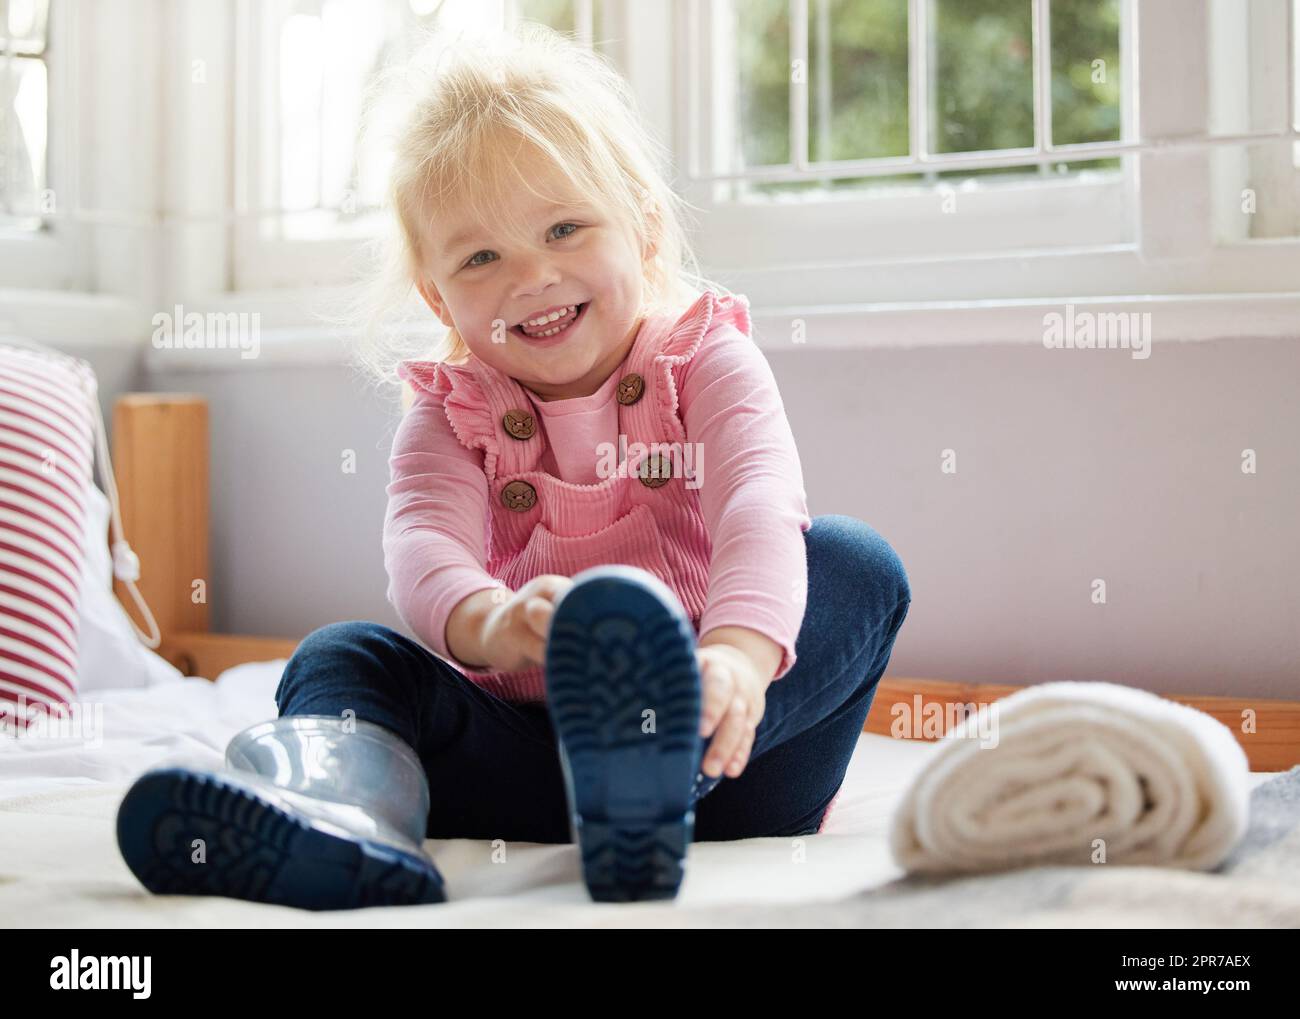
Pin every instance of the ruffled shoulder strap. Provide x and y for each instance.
(464, 402)
(420, 374)
(709, 312)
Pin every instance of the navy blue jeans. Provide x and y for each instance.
(493, 766)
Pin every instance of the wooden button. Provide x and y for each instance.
(630, 388)
(519, 424)
(519, 496)
(655, 471)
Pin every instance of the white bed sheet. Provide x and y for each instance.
(60, 866)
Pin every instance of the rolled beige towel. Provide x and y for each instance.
(1040, 776)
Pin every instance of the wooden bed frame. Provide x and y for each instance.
(160, 459)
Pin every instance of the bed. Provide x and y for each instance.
(60, 867)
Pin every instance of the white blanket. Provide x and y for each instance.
(1076, 773)
(60, 865)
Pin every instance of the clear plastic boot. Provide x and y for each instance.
(312, 811)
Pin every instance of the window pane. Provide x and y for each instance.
(558, 14)
(328, 52)
(1085, 71)
(604, 30)
(857, 81)
(983, 75)
(562, 15)
(981, 84)
(302, 65)
(317, 171)
(22, 155)
(761, 29)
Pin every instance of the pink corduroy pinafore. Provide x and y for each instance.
(645, 514)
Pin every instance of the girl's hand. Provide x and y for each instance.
(514, 632)
(735, 697)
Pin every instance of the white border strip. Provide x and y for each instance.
(1174, 318)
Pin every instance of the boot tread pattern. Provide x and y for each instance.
(255, 850)
(616, 651)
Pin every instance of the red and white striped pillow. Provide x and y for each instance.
(47, 436)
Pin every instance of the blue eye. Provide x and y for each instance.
(472, 264)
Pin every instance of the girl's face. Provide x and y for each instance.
(487, 285)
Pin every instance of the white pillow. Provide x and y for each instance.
(109, 652)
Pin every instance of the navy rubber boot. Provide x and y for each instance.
(623, 688)
(311, 811)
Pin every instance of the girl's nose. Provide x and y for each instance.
(535, 272)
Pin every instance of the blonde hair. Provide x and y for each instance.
(476, 112)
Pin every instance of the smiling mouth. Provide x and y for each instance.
(559, 328)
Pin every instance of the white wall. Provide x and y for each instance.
(1071, 465)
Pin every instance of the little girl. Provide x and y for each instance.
(629, 632)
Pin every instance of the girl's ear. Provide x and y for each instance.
(434, 300)
(654, 228)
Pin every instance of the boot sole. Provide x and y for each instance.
(256, 850)
(616, 649)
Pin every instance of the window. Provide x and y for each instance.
(839, 153)
(888, 129)
(41, 232)
(299, 147)
(825, 86)
(894, 151)
(24, 113)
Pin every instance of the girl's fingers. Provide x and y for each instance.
(550, 588)
(537, 617)
(727, 739)
(741, 757)
(717, 694)
(535, 649)
(537, 613)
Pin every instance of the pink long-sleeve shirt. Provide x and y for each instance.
(491, 485)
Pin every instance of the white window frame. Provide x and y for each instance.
(261, 264)
(159, 194)
(894, 224)
(1257, 97)
(1105, 237)
(92, 279)
(54, 257)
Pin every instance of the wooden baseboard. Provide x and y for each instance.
(210, 654)
(1274, 745)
